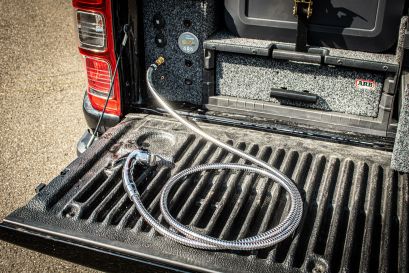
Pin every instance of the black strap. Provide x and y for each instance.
(303, 11)
(302, 34)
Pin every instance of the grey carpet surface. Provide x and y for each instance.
(254, 77)
(171, 80)
(225, 38)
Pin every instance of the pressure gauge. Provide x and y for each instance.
(188, 43)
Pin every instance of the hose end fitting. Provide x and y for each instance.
(159, 61)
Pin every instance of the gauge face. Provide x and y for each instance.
(188, 43)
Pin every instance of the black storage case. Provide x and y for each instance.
(364, 25)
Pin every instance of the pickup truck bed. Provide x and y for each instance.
(355, 215)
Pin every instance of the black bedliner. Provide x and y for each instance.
(355, 219)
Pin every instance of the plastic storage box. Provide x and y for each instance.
(364, 25)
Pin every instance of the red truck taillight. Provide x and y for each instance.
(88, 2)
(96, 44)
(99, 77)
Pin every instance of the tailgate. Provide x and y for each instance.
(355, 215)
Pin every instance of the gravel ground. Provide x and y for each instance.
(41, 88)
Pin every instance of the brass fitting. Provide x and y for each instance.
(305, 6)
(159, 61)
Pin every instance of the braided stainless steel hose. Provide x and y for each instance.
(184, 234)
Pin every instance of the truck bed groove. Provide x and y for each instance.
(355, 207)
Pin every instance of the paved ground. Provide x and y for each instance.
(41, 83)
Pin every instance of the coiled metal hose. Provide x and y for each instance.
(184, 234)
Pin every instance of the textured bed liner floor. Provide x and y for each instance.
(356, 207)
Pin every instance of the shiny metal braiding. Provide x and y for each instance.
(184, 234)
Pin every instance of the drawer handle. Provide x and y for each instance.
(293, 95)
